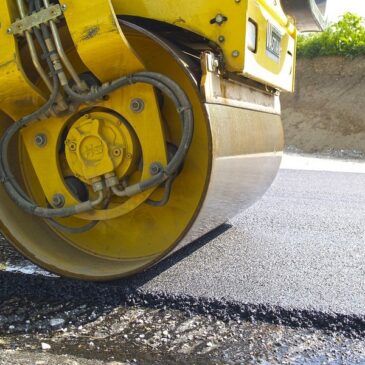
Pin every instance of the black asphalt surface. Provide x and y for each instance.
(302, 247)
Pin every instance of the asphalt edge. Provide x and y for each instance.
(116, 294)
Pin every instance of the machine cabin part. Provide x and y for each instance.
(129, 129)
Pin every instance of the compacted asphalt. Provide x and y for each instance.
(294, 261)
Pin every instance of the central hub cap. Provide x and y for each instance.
(100, 143)
(92, 149)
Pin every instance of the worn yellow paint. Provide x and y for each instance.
(196, 16)
(104, 50)
(146, 125)
(18, 97)
(133, 231)
(99, 39)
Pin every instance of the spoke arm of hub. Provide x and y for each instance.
(44, 161)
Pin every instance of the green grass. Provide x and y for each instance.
(344, 38)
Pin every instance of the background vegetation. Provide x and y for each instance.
(344, 38)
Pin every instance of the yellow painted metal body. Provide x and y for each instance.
(131, 234)
(18, 97)
(196, 16)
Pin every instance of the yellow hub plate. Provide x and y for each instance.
(100, 143)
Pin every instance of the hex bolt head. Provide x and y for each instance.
(40, 140)
(58, 200)
(155, 168)
(137, 105)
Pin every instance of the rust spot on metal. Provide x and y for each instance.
(90, 33)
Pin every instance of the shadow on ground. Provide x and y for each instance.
(34, 303)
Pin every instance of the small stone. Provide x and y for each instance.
(165, 333)
(57, 322)
(209, 344)
(91, 344)
(45, 346)
(142, 336)
(11, 327)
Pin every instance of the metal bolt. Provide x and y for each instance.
(40, 140)
(235, 54)
(219, 19)
(237, 1)
(117, 152)
(9, 31)
(129, 156)
(72, 146)
(63, 7)
(155, 168)
(58, 200)
(221, 39)
(137, 105)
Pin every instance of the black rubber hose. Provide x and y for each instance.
(179, 98)
(8, 179)
(166, 195)
(166, 85)
(77, 230)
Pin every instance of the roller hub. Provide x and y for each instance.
(98, 144)
(233, 158)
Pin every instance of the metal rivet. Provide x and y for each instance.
(221, 39)
(117, 152)
(72, 146)
(58, 200)
(9, 31)
(63, 7)
(137, 105)
(40, 140)
(235, 53)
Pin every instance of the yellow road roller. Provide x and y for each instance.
(130, 128)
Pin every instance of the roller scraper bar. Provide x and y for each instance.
(309, 14)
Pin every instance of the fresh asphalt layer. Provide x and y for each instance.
(296, 257)
(301, 247)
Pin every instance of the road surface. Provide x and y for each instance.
(295, 259)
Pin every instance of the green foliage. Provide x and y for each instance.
(344, 38)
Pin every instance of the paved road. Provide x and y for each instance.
(296, 257)
(302, 247)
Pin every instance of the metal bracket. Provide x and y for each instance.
(35, 20)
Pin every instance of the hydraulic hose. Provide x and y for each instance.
(161, 82)
(182, 104)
